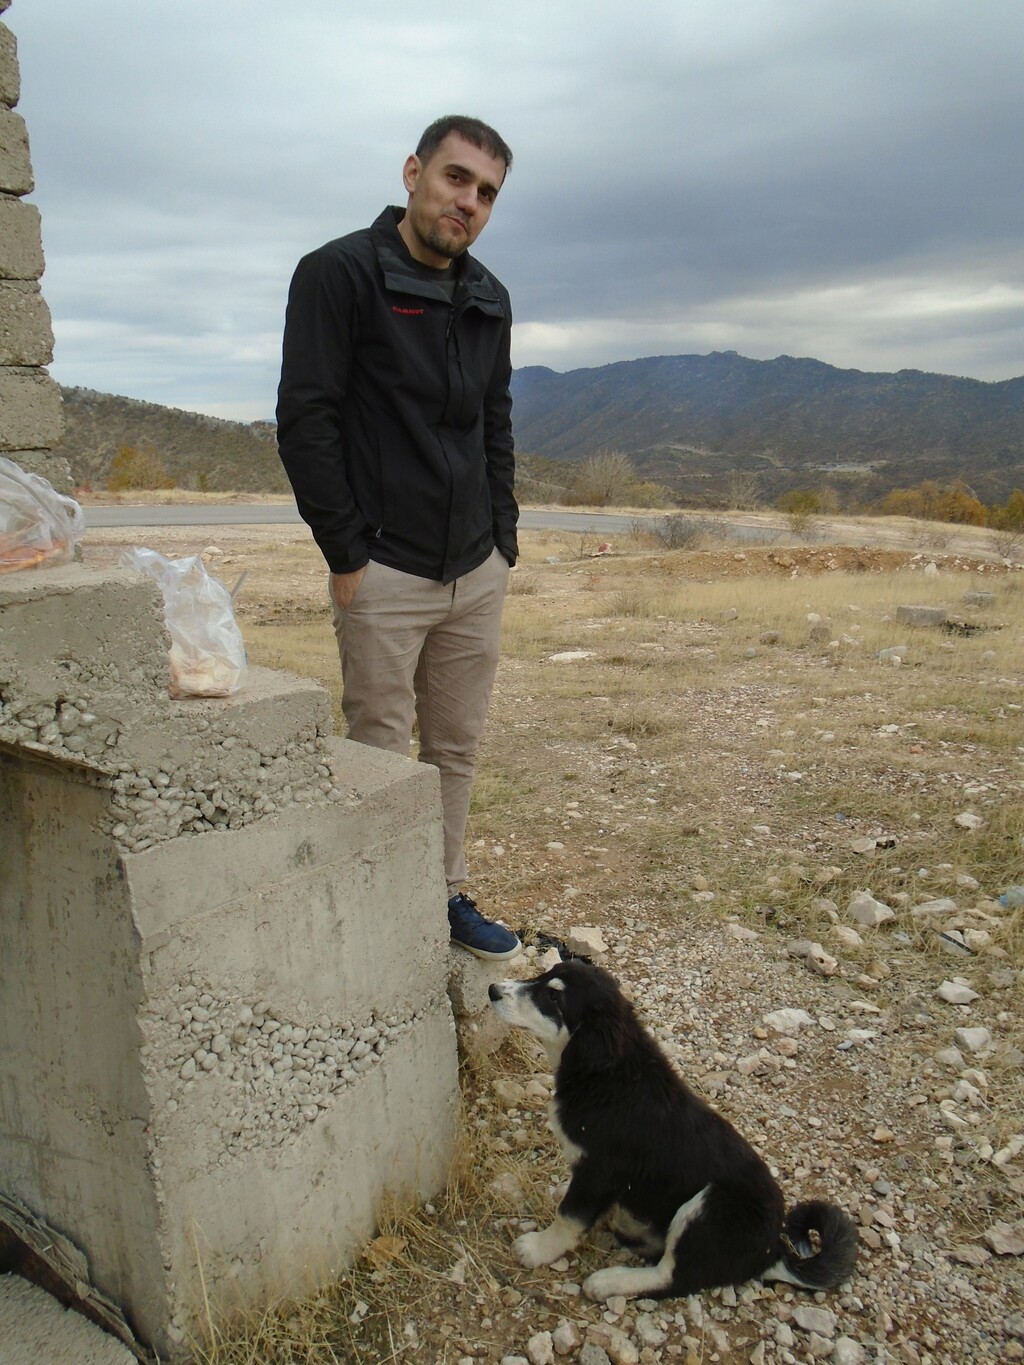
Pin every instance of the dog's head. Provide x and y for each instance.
(574, 1002)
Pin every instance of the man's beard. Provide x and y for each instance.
(445, 244)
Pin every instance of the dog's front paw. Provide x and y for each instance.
(532, 1250)
(603, 1284)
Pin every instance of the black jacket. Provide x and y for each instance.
(394, 413)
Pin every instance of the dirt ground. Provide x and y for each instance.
(675, 757)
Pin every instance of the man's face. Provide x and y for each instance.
(450, 200)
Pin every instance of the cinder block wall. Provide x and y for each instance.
(31, 421)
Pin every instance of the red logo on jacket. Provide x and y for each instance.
(408, 312)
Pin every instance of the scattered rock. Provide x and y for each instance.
(974, 1039)
(923, 616)
(814, 956)
(968, 820)
(540, 1349)
(945, 905)
(864, 909)
(586, 940)
(969, 1254)
(788, 1021)
(812, 1319)
(1006, 1239)
(566, 1338)
(956, 993)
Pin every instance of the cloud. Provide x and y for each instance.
(794, 178)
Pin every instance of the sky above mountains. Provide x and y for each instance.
(767, 176)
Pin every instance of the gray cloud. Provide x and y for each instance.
(820, 180)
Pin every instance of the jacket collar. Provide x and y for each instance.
(472, 282)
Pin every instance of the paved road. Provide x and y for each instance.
(282, 514)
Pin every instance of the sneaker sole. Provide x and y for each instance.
(489, 957)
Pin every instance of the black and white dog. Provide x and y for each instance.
(674, 1177)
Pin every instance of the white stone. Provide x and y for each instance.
(741, 932)
(849, 938)
(586, 939)
(945, 905)
(812, 1319)
(566, 1338)
(864, 909)
(814, 955)
(788, 1021)
(540, 1349)
(968, 820)
(974, 1039)
(954, 993)
(1006, 1239)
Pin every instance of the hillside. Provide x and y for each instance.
(699, 424)
(196, 450)
(694, 422)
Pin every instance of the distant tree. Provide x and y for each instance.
(958, 504)
(1009, 517)
(802, 507)
(930, 501)
(135, 467)
(604, 479)
(744, 491)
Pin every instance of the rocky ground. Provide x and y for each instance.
(872, 1051)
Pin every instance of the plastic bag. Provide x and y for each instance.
(207, 652)
(38, 525)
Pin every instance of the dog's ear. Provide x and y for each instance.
(597, 1043)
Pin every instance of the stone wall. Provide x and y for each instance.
(30, 405)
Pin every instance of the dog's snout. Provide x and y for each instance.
(496, 990)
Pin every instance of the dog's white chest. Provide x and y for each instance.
(572, 1150)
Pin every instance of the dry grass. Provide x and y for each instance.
(713, 732)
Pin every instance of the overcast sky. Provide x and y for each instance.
(830, 178)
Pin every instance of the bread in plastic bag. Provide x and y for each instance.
(207, 653)
(38, 525)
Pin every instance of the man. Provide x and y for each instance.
(394, 426)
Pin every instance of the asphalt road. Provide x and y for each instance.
(283, 514)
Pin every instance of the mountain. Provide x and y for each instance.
(702, 425)
(695, 422)
(196, 451)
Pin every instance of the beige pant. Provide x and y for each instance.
(413, 646)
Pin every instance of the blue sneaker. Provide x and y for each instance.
(477, 935)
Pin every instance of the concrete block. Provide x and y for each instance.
(54, 468)
(10, 78)
(922, 616)
(15, 164)
(26, 337)
(31, 417)
(21, 242)
(222, 1043)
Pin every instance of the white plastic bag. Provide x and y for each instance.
(38, 525)
(207, 652)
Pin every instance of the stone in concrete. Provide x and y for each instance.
(21, 244)
(30, 410)
(15, 165)
(37, 1330)
(26, 337)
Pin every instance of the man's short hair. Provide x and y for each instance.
(472, 129)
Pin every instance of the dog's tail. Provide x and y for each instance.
(819, 1247)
